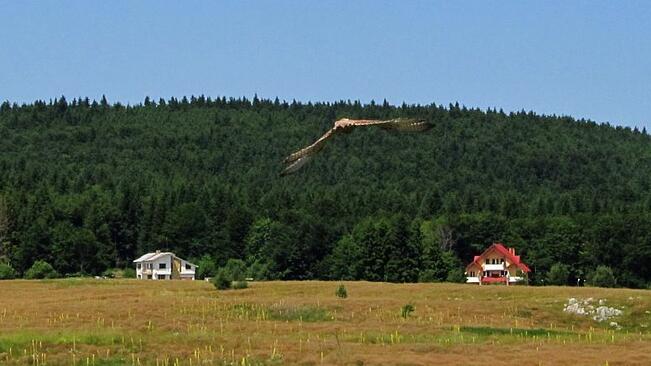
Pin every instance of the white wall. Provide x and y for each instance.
(144, 271)
(187, 272)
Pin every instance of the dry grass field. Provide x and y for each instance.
(129, 322)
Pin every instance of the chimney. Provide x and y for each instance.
(512, 250)
(158, 251)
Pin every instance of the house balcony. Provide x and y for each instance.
(472, 279)
(494, 267)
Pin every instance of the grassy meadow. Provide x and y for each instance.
(130, 322)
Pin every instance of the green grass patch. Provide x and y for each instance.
(520, 332)
(303, 313)
(61, 283)
(298, 313)
(24, 340)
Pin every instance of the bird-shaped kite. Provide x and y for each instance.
(301, 157)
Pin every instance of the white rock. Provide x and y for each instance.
(604, 313)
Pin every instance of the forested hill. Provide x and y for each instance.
(88, 186)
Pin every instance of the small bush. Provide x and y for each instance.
(119, 273)
(206, 267)
(341, 292)
(406, 310)
(558, 275)
(428, 275)
(129, 273)
(41, 269)
(222, 280)
(259, 270)
(456, 275)
(7, 272)
(603, 276)
(235, 269)
(110, 273)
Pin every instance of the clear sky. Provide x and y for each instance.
(589, 59)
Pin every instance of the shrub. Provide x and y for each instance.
(235, 269)
(456, 275)
(222, 280)
(428, 275)
(603, 276)
(406, 310)
(558, 275)
(259, 270)
(231, 276)
(7, 272)
(41, 269)
(110, 273)
(341, 291)
(206, 267)
(129, 273)
(119, 273)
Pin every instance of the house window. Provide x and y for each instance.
(139, 277)
(161, 277)
(162, 265)
(502, 260)
(487, 261)
(188, 266)
(150, 266)
(139, 265)
(149, 277)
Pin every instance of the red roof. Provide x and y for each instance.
(506, 252)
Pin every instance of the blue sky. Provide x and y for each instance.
(588, 59)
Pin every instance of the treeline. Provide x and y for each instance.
(88, 186)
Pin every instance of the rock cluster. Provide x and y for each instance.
(600, 313)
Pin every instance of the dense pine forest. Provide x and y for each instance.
(88, 186)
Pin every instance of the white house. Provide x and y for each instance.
(164, 266)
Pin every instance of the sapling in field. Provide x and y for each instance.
(341, 291)
(406, 310)
(222, 281)
(227, 278)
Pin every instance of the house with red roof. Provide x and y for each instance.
(497, 264)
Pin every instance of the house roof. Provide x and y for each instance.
(155, 255)
(500, 248)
